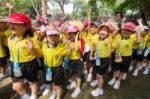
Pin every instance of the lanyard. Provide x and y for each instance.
(101, 48)
(18, 51)
(52, 56)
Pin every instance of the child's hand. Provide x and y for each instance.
(139, 21)
(30, 44)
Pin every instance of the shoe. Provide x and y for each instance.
(45, 92)
(117, 85)
(135, 73)
(112, 81)
(94, 83)
(76, 93)
(26, 96)
(146, 71)
(33, 97)
(131, 68)
(89, 77)
(97, 92)
(2, 76)
(124, 76)
(72, 85)
(53, 95)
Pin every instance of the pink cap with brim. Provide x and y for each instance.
(12, 20)
(20, 18)
(129, 26)
(3, 19)
(72, 29)
(85, 25)
(52, 32)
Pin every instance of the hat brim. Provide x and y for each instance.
(3, 20)
(12, 20)
(52, 33)
(129, 29)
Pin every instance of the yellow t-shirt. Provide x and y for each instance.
(74, 55)
(148, 42)
(91, 38)
(6, 34)
(143, 42)
(103, 48)
(19, 47)
(124, 46)
(53, 57)
(2, 52)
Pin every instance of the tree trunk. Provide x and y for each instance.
(44, 11)
(145, 8)
(35, 8)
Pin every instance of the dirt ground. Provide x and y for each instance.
(132, 88)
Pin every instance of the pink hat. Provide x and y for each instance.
(52, 32)
(129, 26)
(57, 23)
(20, 18)
(85, 25)
(72, 28)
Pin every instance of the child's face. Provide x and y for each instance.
(72, 36)
(93, 29)
(52, 39)
(126, 33)
(103, 33)
(18, 28)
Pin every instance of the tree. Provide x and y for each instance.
(61, 4)
(44, 11)
(35, 6)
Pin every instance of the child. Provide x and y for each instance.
(75, 68)
(53, 59)
(102, 50)
(23, 53)
(140, 50)
(5, 33)
(123, 45)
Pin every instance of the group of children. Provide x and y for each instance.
(65, 46)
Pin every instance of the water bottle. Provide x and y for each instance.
(147, 51)
(98, 61)
(65, 62)
(17, 70)
(49, 74)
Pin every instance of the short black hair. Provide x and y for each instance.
(121, 14)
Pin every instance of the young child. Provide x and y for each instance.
(147, 55)
(140, 50)
(75, 66)
(3, 62)
(23, 53)
(102, 50)
(123, 45)
(53, 59)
